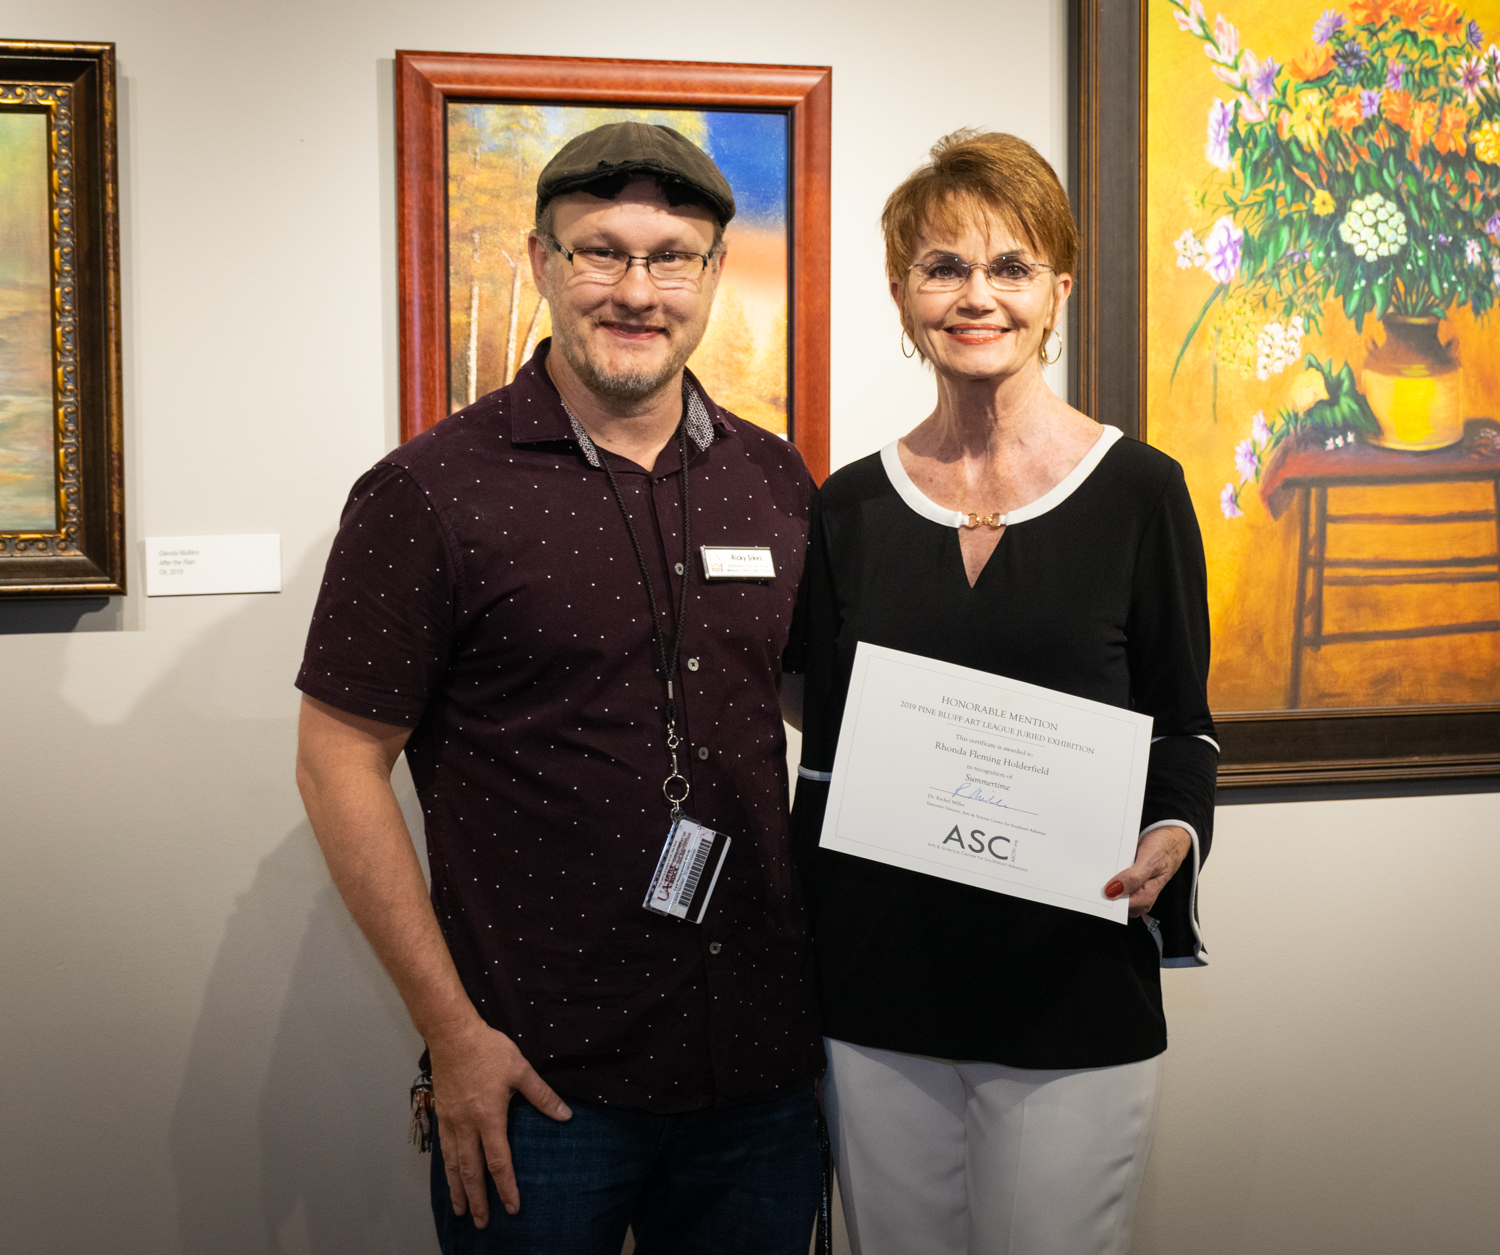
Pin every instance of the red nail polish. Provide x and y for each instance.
(1114, 889)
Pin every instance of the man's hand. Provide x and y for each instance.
(1158, 855)
(475, 1072)
(344, 772)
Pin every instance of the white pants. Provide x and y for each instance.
(938, 1158)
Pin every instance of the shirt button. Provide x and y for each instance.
(678, 568)
(692, 664)
(714, 947)
(703, 751)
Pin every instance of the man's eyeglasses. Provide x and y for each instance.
(670, 269)
(949, 274)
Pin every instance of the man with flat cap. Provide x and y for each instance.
(571, 605)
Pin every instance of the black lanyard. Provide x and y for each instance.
(676, 787)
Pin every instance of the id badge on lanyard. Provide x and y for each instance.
(690, 861)
(687, 871)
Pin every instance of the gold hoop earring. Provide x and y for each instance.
(1042, 352)
(904, 353)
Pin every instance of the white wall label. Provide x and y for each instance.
(189, 566)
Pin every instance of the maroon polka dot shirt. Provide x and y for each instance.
(482, 590)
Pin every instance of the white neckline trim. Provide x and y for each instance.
(924, 505)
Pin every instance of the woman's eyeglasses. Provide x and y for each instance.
(949, 274)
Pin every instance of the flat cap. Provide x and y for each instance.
(609, 156)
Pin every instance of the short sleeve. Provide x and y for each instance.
(383, 625)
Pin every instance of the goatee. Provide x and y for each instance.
(631, 386)
(628, 385)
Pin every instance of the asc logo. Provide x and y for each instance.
(997, 847)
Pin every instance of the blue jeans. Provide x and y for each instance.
(739, 1180)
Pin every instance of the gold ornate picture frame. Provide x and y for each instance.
(62, 501)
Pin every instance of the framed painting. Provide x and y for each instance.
(62, 497)
(473, 133)
(1292, 243)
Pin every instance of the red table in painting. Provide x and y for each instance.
(1304, 475)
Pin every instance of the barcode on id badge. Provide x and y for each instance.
(695, 873)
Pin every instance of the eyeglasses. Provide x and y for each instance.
(668, 269)
(949, 274)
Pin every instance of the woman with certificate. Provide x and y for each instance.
(993, 1057)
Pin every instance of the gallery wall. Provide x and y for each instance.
(198, 1053)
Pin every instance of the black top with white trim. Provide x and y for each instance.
(1097, 589)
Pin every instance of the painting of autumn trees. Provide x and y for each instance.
(496, 317)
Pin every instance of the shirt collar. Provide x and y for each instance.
(539, 414)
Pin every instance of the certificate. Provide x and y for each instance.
(987, 781)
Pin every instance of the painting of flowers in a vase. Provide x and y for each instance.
(1322, 270)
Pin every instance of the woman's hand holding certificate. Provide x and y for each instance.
(988, 781)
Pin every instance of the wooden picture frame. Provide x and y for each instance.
(65, 451)
(426, 82)
(1109, 102)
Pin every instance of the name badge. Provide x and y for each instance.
(687, 871)
(723, 562)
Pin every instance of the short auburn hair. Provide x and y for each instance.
(972, 175)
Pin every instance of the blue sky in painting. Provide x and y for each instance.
(751, 150)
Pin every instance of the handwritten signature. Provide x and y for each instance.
(969, 791)
(975, 793)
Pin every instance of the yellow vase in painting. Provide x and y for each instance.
(1412, 384)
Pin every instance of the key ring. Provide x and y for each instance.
(673, 741)
(667, 790)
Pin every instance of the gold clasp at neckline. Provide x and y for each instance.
(996, 520)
